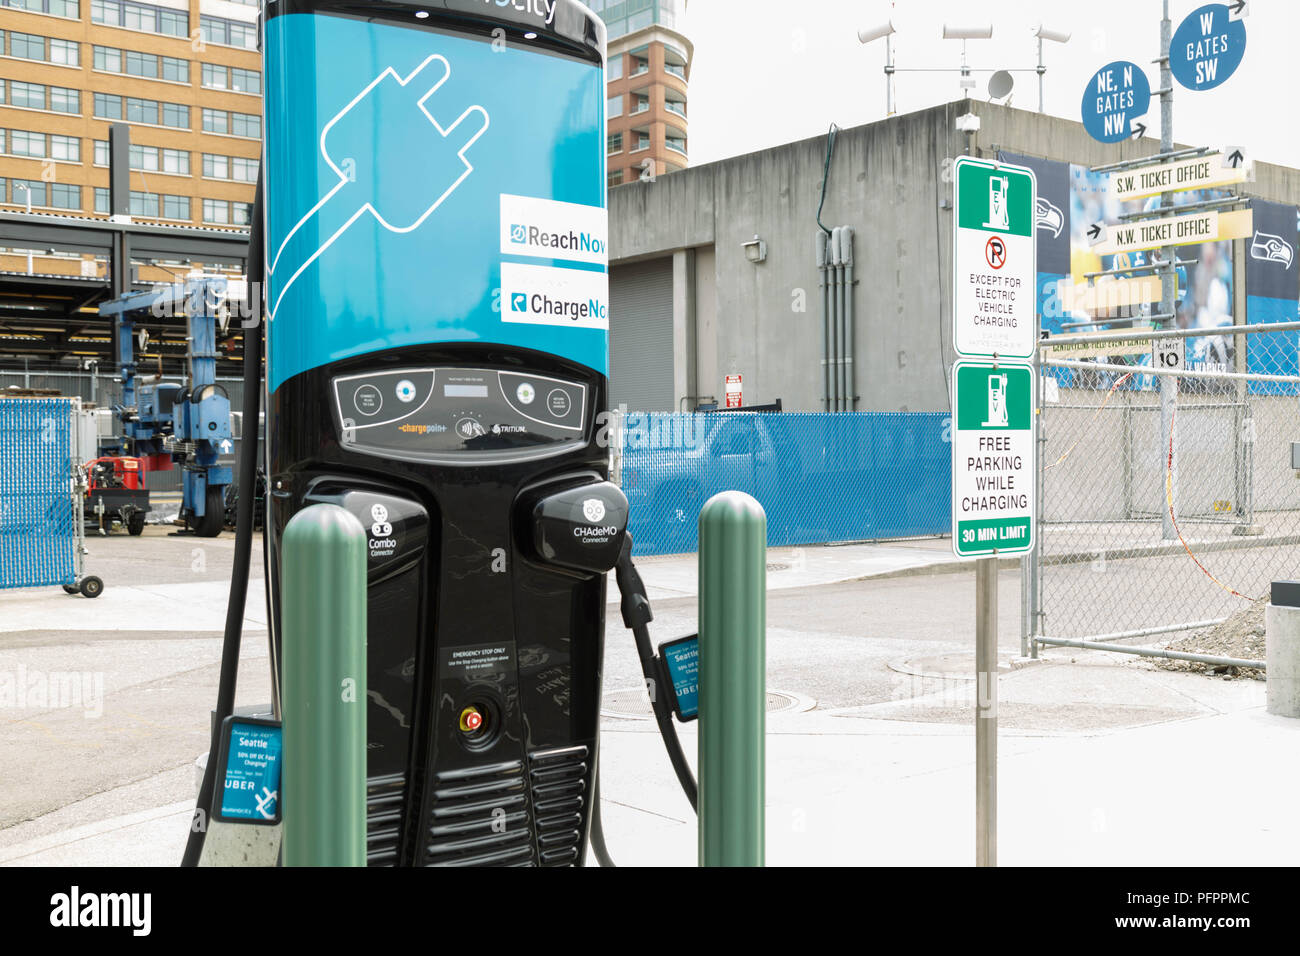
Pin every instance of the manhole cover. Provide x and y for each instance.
(631, 703)
(774, 566)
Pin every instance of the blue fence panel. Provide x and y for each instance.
(820, 477)
(37, 533)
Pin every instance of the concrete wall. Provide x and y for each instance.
(888, 182)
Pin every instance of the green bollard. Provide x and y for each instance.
(323, 677)
(733, 685)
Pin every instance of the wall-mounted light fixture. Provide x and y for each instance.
(755, 249)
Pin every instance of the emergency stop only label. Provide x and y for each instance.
(546, 295)
(992, 459)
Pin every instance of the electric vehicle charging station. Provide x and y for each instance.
(434, 244)
(437, 347)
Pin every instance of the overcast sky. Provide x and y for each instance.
(772, 71)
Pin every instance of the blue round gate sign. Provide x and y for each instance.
(1117, 94)
(1207, 47)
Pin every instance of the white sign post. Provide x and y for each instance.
(994, 321)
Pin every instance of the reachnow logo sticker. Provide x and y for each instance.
(549, 229)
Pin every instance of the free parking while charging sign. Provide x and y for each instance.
(992, 459)
(994, 307)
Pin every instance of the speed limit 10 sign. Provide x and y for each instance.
(1168, 354)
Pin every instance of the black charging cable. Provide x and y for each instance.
(243, 530)
(637, 615)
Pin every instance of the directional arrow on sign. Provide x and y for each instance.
(1139, 129)
(1238, 10)
(1233, 157)
(1096, 233)
(225, 445)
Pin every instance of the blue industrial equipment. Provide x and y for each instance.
(166, 423)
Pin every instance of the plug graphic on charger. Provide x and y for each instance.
(394, 161)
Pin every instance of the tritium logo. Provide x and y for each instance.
(519, 302)
(518, 233)
(75, 908)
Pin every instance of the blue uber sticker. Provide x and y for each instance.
(681, 669)
(249, 763)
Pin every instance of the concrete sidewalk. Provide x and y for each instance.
(1103, 759)
(892, 783)
(676, 575)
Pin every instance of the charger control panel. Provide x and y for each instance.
(458, 415)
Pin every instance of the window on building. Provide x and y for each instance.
(176, 162)
(102, 201)
(173, 23)
(28, 95)
(26, 46)
(215, 121)
(642, 141)
(677, 143)
(65, 196)
(101, 152)
(174, 70)
(65, 148)
(246, 124)
(108, 59)
(640, 64)
(29, 189)
(141, 111)
(144, 158)
(176, 207)
(64, 100)
(25, 143)
(214, 166)
(641, 103)
(216, 211)
(141, 64)
(108, 106)
(225, 32)
(65, 52)
(176, 115)
(614, 178)
(614, 106)
(241, 213)
(243, 170)
(245, 81)
(144, 204)
(614, 67)
(614, 143)
(140, 16)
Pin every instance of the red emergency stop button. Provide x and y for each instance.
(471, 719)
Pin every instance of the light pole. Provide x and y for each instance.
(28, 190)
(1043, 32)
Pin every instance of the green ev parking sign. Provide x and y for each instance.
(994, 296)
(992, 459)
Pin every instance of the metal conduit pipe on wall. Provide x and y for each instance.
(846, 256)
(837, 355)
(826, 320)
(835, 281)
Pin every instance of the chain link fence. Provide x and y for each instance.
(1167, 498)
(40, 530)
(822, 478)
(103, 391)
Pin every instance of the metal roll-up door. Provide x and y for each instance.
(641, 336)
